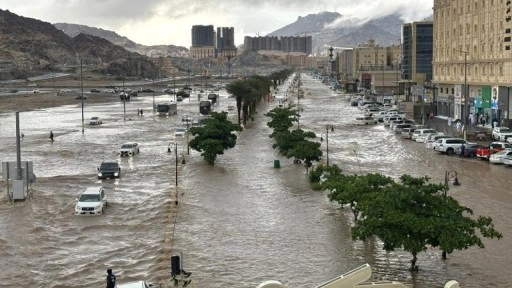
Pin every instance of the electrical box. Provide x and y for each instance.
(19, 190)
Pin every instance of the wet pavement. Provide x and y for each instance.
(241, 221)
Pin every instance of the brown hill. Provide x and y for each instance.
(30, 47)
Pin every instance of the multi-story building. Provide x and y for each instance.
(472, 61)
(226, 42)
(203, 42)
(208, 44)
(373, 66)
(416, 59)
(286, 44)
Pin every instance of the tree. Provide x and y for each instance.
(239, 89)
(354, 189)
(281, 119)
(214, 137)
(414, 215)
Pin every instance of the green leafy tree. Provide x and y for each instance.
(281, 119)
(306, 151)
(414, 215)
(214, 137)
(353, 189)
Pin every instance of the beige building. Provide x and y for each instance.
(472, 44)
(376, 67)
(202, 52)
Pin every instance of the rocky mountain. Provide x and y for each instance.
(30, 47)
(75, 29)
(332, 29)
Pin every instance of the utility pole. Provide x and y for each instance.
(82, 95)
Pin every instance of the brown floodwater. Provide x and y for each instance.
(241, 221)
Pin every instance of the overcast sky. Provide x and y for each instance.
(152, 22)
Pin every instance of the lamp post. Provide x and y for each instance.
(154, 106)
(82, 95)
(298, 103)
(448, 175)
(465, 111)
(327, 127)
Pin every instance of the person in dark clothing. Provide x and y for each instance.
(141, 113)
(51, 135)
(462, 150)
(111, 279)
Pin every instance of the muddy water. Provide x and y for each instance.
(241, 221)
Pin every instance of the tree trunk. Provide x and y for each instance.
(413, 262)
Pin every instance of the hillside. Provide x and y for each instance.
(348, 32)
(75, 29)
(30, 47)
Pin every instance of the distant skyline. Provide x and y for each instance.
(155, 22)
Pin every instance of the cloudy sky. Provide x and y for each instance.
(152, 22)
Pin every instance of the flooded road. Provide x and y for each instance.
(240, 222)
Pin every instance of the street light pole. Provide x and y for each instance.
(82, 94)
(154, 106)
(298, 103)
(465, 111)
(327, 127)
(448, 175)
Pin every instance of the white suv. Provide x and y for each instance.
(501, 133)
(449, 145)
(129, 149)
(91, 202)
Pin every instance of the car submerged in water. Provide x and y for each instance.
(129, 149)
(91, 202)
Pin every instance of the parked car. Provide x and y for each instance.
(501, 133)
(498, 157)
(484, 153)
(109, 169)
(507, 160)
(420, 135)
(81, 97)
(407, 132)
(129, 149)
(95, 120)
(388, 119)
(95, 91)
(398, 127)
(136, 284)
(91, 202)
(180, 132)
(432, 138)
(449, 145)
(379, 116)
(365, 120)
(469, 150)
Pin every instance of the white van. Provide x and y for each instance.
(365, 120)
(388, 120)
(421, 134)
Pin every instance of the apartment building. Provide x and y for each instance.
(472, 58)
(206, 43)
(374, 67)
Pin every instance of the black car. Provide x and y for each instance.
(95, 91)
(109, 169)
